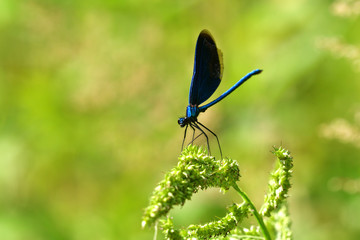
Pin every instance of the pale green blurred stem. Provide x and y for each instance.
(156, 230)
(255, 212)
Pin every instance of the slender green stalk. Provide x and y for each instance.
(256, 213)
(156, 230)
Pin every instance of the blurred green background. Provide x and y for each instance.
(90, 94)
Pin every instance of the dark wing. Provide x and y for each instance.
(208, 69)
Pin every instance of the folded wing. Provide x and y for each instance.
(208, 69)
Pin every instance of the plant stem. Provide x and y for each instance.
(256, 213)
(156, 230)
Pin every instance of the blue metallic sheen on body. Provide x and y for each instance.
(222, 96)
(192, 111)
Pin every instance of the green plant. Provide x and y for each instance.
(197, 171)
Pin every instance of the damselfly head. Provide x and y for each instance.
(182, 122)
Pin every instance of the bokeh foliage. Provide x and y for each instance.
(90, 92)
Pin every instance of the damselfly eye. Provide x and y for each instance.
(181, 122)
